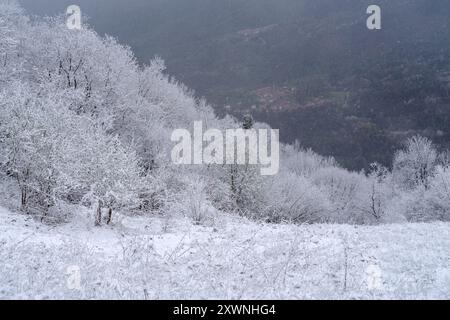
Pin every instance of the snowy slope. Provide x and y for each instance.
(156, 258)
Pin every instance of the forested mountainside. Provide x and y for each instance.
(308, 67)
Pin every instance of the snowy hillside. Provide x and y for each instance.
(99, 204)
(142, 258)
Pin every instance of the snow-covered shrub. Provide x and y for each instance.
(193, 202)
(345, 191)
(218, 189)
(424, 204)
(197, 203)
(9, 191)
(411, 205)
(420, 177)
(437, 196)
(349, 196)
(304, 162)
(245, 183)
(293, 198)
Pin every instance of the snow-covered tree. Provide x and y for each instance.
(378, 192)
(13, 28)
(414, 165)
(33, 123)
(105, 170)
(244, 177)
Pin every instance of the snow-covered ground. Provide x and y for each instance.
(161, 258)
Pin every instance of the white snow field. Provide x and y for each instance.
(161, 258)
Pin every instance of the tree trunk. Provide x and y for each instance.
(23, 189)
(24, 199)
(98, 216)
(109, 215)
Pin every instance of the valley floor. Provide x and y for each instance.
(170, 258)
